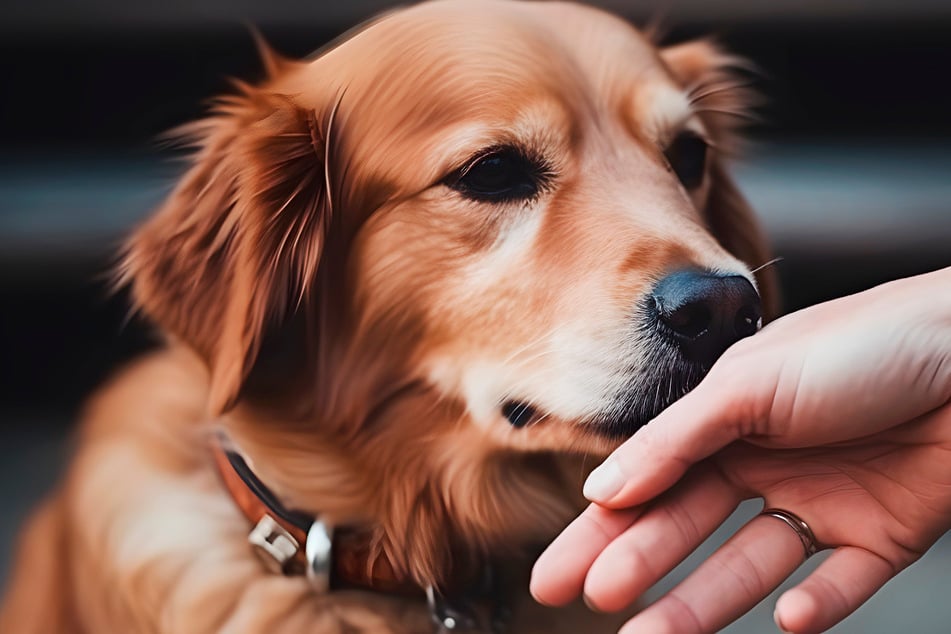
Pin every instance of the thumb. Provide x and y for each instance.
(653, 459)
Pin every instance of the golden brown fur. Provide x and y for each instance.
(348, 319)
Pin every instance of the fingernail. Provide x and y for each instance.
(604, 482)
(778, 621)
(540, 600)
(591, 605)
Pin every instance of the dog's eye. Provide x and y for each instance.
(687, 155)
(501, 175)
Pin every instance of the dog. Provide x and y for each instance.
(412, 287)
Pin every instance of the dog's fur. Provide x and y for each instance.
(355, 324)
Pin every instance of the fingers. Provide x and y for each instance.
(558, 575)
(688, 431)
(834, 590)
(728, 584)
(659, 540)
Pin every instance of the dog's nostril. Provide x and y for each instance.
(690, 321)
(747, 321)
(518, 413)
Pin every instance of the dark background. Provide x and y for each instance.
(87, 93)
(850, 168)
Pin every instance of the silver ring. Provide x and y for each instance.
(808, 539)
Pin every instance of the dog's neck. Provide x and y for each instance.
(432, 501)
(294, 542)
(417, 542)
(431, 514)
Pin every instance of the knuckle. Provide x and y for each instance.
(683, 617)
(824, 590)
(595, 522)
(683, 523)
(742, 571)
(634, 556)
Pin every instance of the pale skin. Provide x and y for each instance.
(838, 413)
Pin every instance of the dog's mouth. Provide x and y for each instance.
(642, 401)
(645, 395)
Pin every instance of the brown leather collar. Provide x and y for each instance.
(280, 535)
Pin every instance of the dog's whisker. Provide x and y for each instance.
(327, 145)
(524, 360)
(523, 348)
(709, 90)
(772, 262)
(542, 418)
(740, 114)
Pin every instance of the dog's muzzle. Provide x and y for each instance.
(685, 324)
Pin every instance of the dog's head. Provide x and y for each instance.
(469, 234)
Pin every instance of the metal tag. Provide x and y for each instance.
(319, 549)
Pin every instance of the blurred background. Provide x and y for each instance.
(850, 171)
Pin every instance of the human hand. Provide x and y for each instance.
(841, 412)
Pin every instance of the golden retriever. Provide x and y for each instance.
(409, 283)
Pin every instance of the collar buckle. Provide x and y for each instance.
(273, 544)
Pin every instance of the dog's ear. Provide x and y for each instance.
(722, 99)
(718, 86)
(236, 247)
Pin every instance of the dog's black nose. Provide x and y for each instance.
(705, 313)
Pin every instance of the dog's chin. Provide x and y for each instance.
(647, 395)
